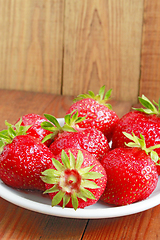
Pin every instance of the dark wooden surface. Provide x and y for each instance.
(19, 223)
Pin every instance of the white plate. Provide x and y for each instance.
(36, 202)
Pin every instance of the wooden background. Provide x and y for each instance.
(67, 47)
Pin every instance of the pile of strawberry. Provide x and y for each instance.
(93, 156)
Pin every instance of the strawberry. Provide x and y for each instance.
(131, 172)
(75, 179)
(145, 121)
(22, 158)
(97, 111)
(72, 136)
(35, 129)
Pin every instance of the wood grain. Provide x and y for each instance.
(68, 47)
(102, 44)
(16, 222)
(21, 224)
(18, 103)
(150, 62)
(31, 45)
(135, 227)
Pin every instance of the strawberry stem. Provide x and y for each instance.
(70, 180)
(53, 125)
(100, 97)
(7, 135)
(150, 108)
(140, 143)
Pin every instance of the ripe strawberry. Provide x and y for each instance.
(97, 112)
(75, 179)
(22, 158)
(72, 136)
(145, 121)
(35, 130)
(131, 172)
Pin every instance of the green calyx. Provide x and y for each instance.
(69, 180)
(7, 135)
(140, 143)
(101, 97)
(53, 125)
(150, 108)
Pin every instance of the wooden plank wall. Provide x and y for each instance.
(70, 46)
(150, 61)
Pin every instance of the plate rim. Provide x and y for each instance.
(11, 195)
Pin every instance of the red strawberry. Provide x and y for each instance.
(75, 179)
(97, 112)
(145, 121)
(35, 129)
(72, 136)
(131, 173)
(22, 159)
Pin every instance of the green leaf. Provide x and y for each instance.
(129, 136)
(80, 195)
(11, 132)
(108, 94)
(81, 96)
(5, 137)
(154, 147)
(8, 124)
(92, 175)
(67, 119)
(72, 160)
(145, 110)
(91, 94)
(57, 198)
(67, 128)
(57, 165)
(132, 144)
(159, 105)
(71, 120)
(53, 120)
(46, 124)
(51, 173)
(2, 144)
(85, 170)
(22, 130)
(142, 141)
(86, 193)
(65, 159)
(109, 106)
(66, 199)
(52, 189)
(100, 98)
(74, 201)
(18, 124)
(101, 92)
(89, 184)
(79, 160)
(146, 103)
(154, 156)
(4, 132)
(48, 137)
(150, 108)
(80, 119)
(50, 180)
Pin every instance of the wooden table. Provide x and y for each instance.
(18, 223)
